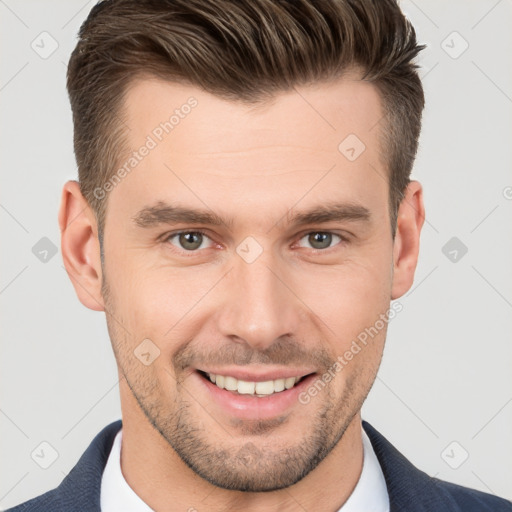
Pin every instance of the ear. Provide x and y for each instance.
(411, 216)
(80, 246)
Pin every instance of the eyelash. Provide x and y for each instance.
(168, 236)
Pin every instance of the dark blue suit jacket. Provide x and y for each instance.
(409, 489)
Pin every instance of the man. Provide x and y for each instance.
(244, 216)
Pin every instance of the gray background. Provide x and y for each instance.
(444, 390)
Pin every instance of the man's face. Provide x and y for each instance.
(258, 295)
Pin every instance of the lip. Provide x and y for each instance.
(250, 407)
(261, 376)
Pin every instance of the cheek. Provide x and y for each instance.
(348, 297)
(162, 303)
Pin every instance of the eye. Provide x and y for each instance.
(321, 239)
(188, 240)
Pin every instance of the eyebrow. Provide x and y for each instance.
(163, 213)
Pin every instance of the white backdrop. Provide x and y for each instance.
(444, 391)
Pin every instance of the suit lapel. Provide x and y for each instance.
(81, 488)
(409, 488)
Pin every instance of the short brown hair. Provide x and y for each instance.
(240, 50)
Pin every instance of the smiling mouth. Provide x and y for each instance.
(258, 389)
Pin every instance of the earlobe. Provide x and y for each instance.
(80, 246)
(411, 216)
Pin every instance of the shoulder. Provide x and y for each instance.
(411, 490)
(469, 500)
(80, 490)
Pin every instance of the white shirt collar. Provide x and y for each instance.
(370, 493)
(116, 495)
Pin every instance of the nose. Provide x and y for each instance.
(259, 304)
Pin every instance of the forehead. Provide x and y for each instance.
(318, 116)
(314, 141)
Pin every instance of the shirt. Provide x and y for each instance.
(369, 495)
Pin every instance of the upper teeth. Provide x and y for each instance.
(252, 388)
